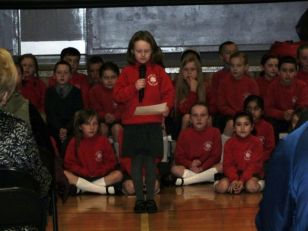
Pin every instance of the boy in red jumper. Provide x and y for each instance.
(90, 162)
(233, 90)
(284, 95)
(79, 80)
(198, 150)
(243, 159)
(101, 101)
(226, 49)
(302, 56)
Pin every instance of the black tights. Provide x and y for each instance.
(138, 161)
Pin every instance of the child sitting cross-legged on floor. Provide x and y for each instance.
(198, 150)
(243, 159)
(90, 162)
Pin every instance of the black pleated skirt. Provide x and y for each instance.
(144, 139)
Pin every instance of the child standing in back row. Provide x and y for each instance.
(142, 83)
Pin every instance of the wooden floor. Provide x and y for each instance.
(180, 208)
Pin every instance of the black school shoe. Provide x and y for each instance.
(151, 206)
(140, 206)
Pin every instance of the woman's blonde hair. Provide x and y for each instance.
(8, 74)
(182, 88)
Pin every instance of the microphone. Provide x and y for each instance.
(142, 73)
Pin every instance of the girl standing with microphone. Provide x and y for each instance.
(143, 138)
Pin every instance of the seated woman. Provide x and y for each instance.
(17, 146)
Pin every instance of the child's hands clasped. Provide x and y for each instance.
(236, 187)
(196, 166)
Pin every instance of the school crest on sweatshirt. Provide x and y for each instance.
(152, 80)
(248, 155)
(294, 100)
(99, 156)
(207, 146)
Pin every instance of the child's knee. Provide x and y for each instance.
(222, 186)
(118, 176)
(252, 186)
(177, 170)
(128, 187)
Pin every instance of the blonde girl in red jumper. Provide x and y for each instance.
(143, 82)
(90, 162)
(243, 158)
(190, 88)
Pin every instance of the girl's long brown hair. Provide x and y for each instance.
(182, 88)
(157, 55)
(81, 117)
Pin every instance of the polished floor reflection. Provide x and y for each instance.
(180, 208)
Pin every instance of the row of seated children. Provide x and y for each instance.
(193, 85)
(234, 85)
(90, 163)
(198, 150)
(188, 88)
(83, 187)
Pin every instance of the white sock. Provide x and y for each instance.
(85, 185)
(188, 173)
(205, 176)
(110, 189)
(99, 182)
(179, 181)
(262, 184)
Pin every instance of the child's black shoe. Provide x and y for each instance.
(140, 206)
(151, 206)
